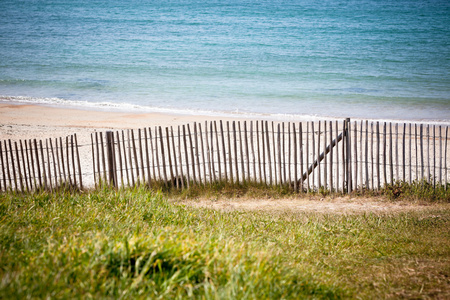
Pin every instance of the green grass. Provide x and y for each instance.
(134, 243)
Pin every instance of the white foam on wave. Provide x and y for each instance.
(134, 108)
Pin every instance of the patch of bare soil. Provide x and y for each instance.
(338, 205)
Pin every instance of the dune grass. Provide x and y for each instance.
(134, 243)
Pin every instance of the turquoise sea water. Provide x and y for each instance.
(371, 59)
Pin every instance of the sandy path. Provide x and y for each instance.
(337, 205)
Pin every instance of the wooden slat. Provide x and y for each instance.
(279, 153)
(197, 156)
(235, 152)
(397, 163)
(263, 138)
(361, 157)
(385, 153)
(22, 189)
(355, 155)
(130, 157)
(269, 161)
(32, 163)
(186, 157)
(218, 151)
(177, 178)
(169, 156)
(313, 154)
(253, 149)
(247, 152)
(391, 153)
(283, 143)
(224, 151)
(49, 168)
(348, 155)
(163, 158)
(110, 158)
(445, 156)
(136, 161)
(367, 155)
(73, 161)
(208, 154)
(241, 146)
(259, 152)
(274, 155)
(440, 154)
(180, 158)
(294, 143)
(421, 153)
(203, 152)
(80, 175)
(428, 154)
(337, 157)
(38, 167)
(289, 158)
(25, 175)
(404, 152)
(417, 155)
(125, 160)
(325, 167)
(141, 155)
(28, 154)
(319, 173)
(434, 156)
(119, 152)
(344, 160)
(13, 168)
(93, 159)
(98, 159)
(103, 158)
(331, 157)
(300, 141)
(213, 166)
(230, 157)
(371, 155)
(3, 168)
(308, 186)
(158, 165)
(36, 152)
(410, 154)
(27, 165)
(152, 152)
(44, 172)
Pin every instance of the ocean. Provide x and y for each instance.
(366, 59)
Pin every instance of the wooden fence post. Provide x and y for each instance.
(109, 153)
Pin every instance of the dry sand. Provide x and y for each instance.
(329, 205)
(37, 121)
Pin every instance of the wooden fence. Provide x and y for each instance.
(332, 155)
(32, 165)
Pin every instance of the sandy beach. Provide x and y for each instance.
(37, 121)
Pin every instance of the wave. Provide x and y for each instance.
(134, 108)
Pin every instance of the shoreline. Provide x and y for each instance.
(24, 121)
(28, 121)
(132, 109)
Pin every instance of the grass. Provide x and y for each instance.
(134, 243)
